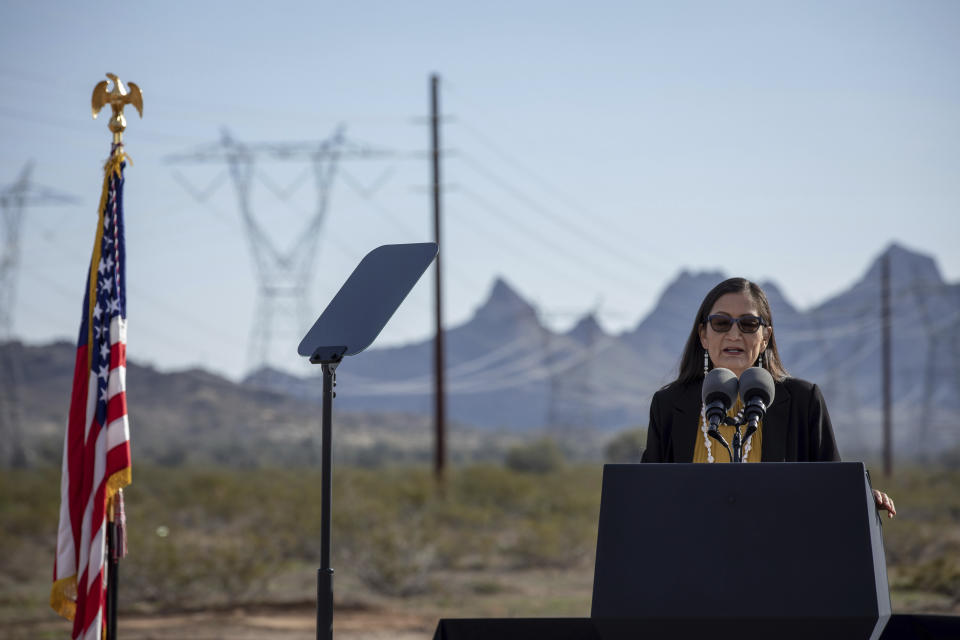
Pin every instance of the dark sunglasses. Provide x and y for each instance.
(722, 323)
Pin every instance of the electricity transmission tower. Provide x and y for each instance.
(14, 200)
(283, 275)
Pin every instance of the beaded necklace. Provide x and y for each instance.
(707, 441)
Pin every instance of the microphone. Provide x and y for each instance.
(718, 393)
(756, 389)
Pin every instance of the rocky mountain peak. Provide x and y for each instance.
(780, 307)
(910, 272)
(587, 330)
(504, 304)
(681, 298)
(906, 266)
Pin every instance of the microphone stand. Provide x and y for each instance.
(736, 452)
(716, 412)
(754, 411)
(737, 443)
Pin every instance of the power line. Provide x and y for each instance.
(561, 196)
(145, 324)
(582, 233)
(568, 256)
(195, 321)
(368, 195)
(505, 242)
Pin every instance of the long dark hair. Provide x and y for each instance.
(691, 363)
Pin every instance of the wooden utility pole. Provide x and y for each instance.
(440, 418)
(886, 365)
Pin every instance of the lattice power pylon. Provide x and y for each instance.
(14, 200)
(283, 275)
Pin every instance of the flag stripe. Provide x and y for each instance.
(116, 407)
(118, 354)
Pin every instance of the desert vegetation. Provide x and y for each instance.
(498, 539)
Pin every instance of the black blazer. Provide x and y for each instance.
(796, 428)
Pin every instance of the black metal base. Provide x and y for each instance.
(324, 604)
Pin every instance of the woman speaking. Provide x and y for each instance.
(733, 329)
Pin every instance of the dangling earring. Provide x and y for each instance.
(760, 360)
(706, 362)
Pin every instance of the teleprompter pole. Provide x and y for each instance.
(350, 324)
(325, 572)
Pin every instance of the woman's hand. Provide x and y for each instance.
(884, 502)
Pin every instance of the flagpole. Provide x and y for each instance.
(96, 444)
(117, 97)
(113, 573)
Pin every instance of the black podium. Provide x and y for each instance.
(786, 550)
(900, 627)
(773, 550)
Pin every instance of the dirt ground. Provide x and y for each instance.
(358, 615)
(286, 622)
(252, 623)
(281, 623)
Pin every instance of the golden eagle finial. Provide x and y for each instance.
(118, 97)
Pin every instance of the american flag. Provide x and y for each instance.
(96, 446)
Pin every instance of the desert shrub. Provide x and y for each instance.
(395, 557)
(493, 490)
(182, 570)
(29, 516)
(398, 528)
(384, 528)
(199, 537)
(940, 575)
(553, 542)
(626, 446)
(540, 456)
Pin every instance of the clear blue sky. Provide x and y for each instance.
(594, 151)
